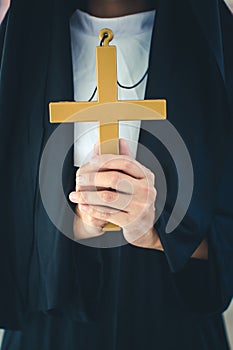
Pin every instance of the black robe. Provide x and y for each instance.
(123, 297)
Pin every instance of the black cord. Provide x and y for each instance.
(93, 95)
(135, 85)
(105, 36)
(123, 86)
(119, 84)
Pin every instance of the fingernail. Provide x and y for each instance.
(73, 196)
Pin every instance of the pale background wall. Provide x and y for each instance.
(229, 314)
(230, 4)
(1, 333)
(229, 324)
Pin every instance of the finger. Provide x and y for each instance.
(108, 199)
(89, 220)
(86, 226)
(119, 218)
(121, 163)
(87, 168)
(114, 216)
(124, 148)
(108, 180)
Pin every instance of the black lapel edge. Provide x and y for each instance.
(211, 28)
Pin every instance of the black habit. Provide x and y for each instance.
(58, 294)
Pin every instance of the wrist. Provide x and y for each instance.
(201, 252)
(149, 240)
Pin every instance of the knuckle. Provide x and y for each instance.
(107, 196)
(145, 189)
(91, 179)
(104, 215)
(153, 194)
(151, 176)
(80, 171)
(127, 165)
(115, 177)
(84, 198)
(149, 196)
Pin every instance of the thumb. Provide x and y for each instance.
(124, 148)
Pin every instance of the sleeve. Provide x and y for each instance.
(207, 286)
(12, 302)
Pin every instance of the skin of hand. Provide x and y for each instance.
(117, 189)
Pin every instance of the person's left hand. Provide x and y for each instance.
(120, 190)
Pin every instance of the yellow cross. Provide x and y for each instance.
(108, 110)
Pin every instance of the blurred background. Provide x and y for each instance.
(4, 4)
(229, 324)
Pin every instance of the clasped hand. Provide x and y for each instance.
(116, 189)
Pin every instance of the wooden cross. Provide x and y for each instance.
(108, 110)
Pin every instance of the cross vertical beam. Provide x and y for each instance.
(107, 92)
(112, 110)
